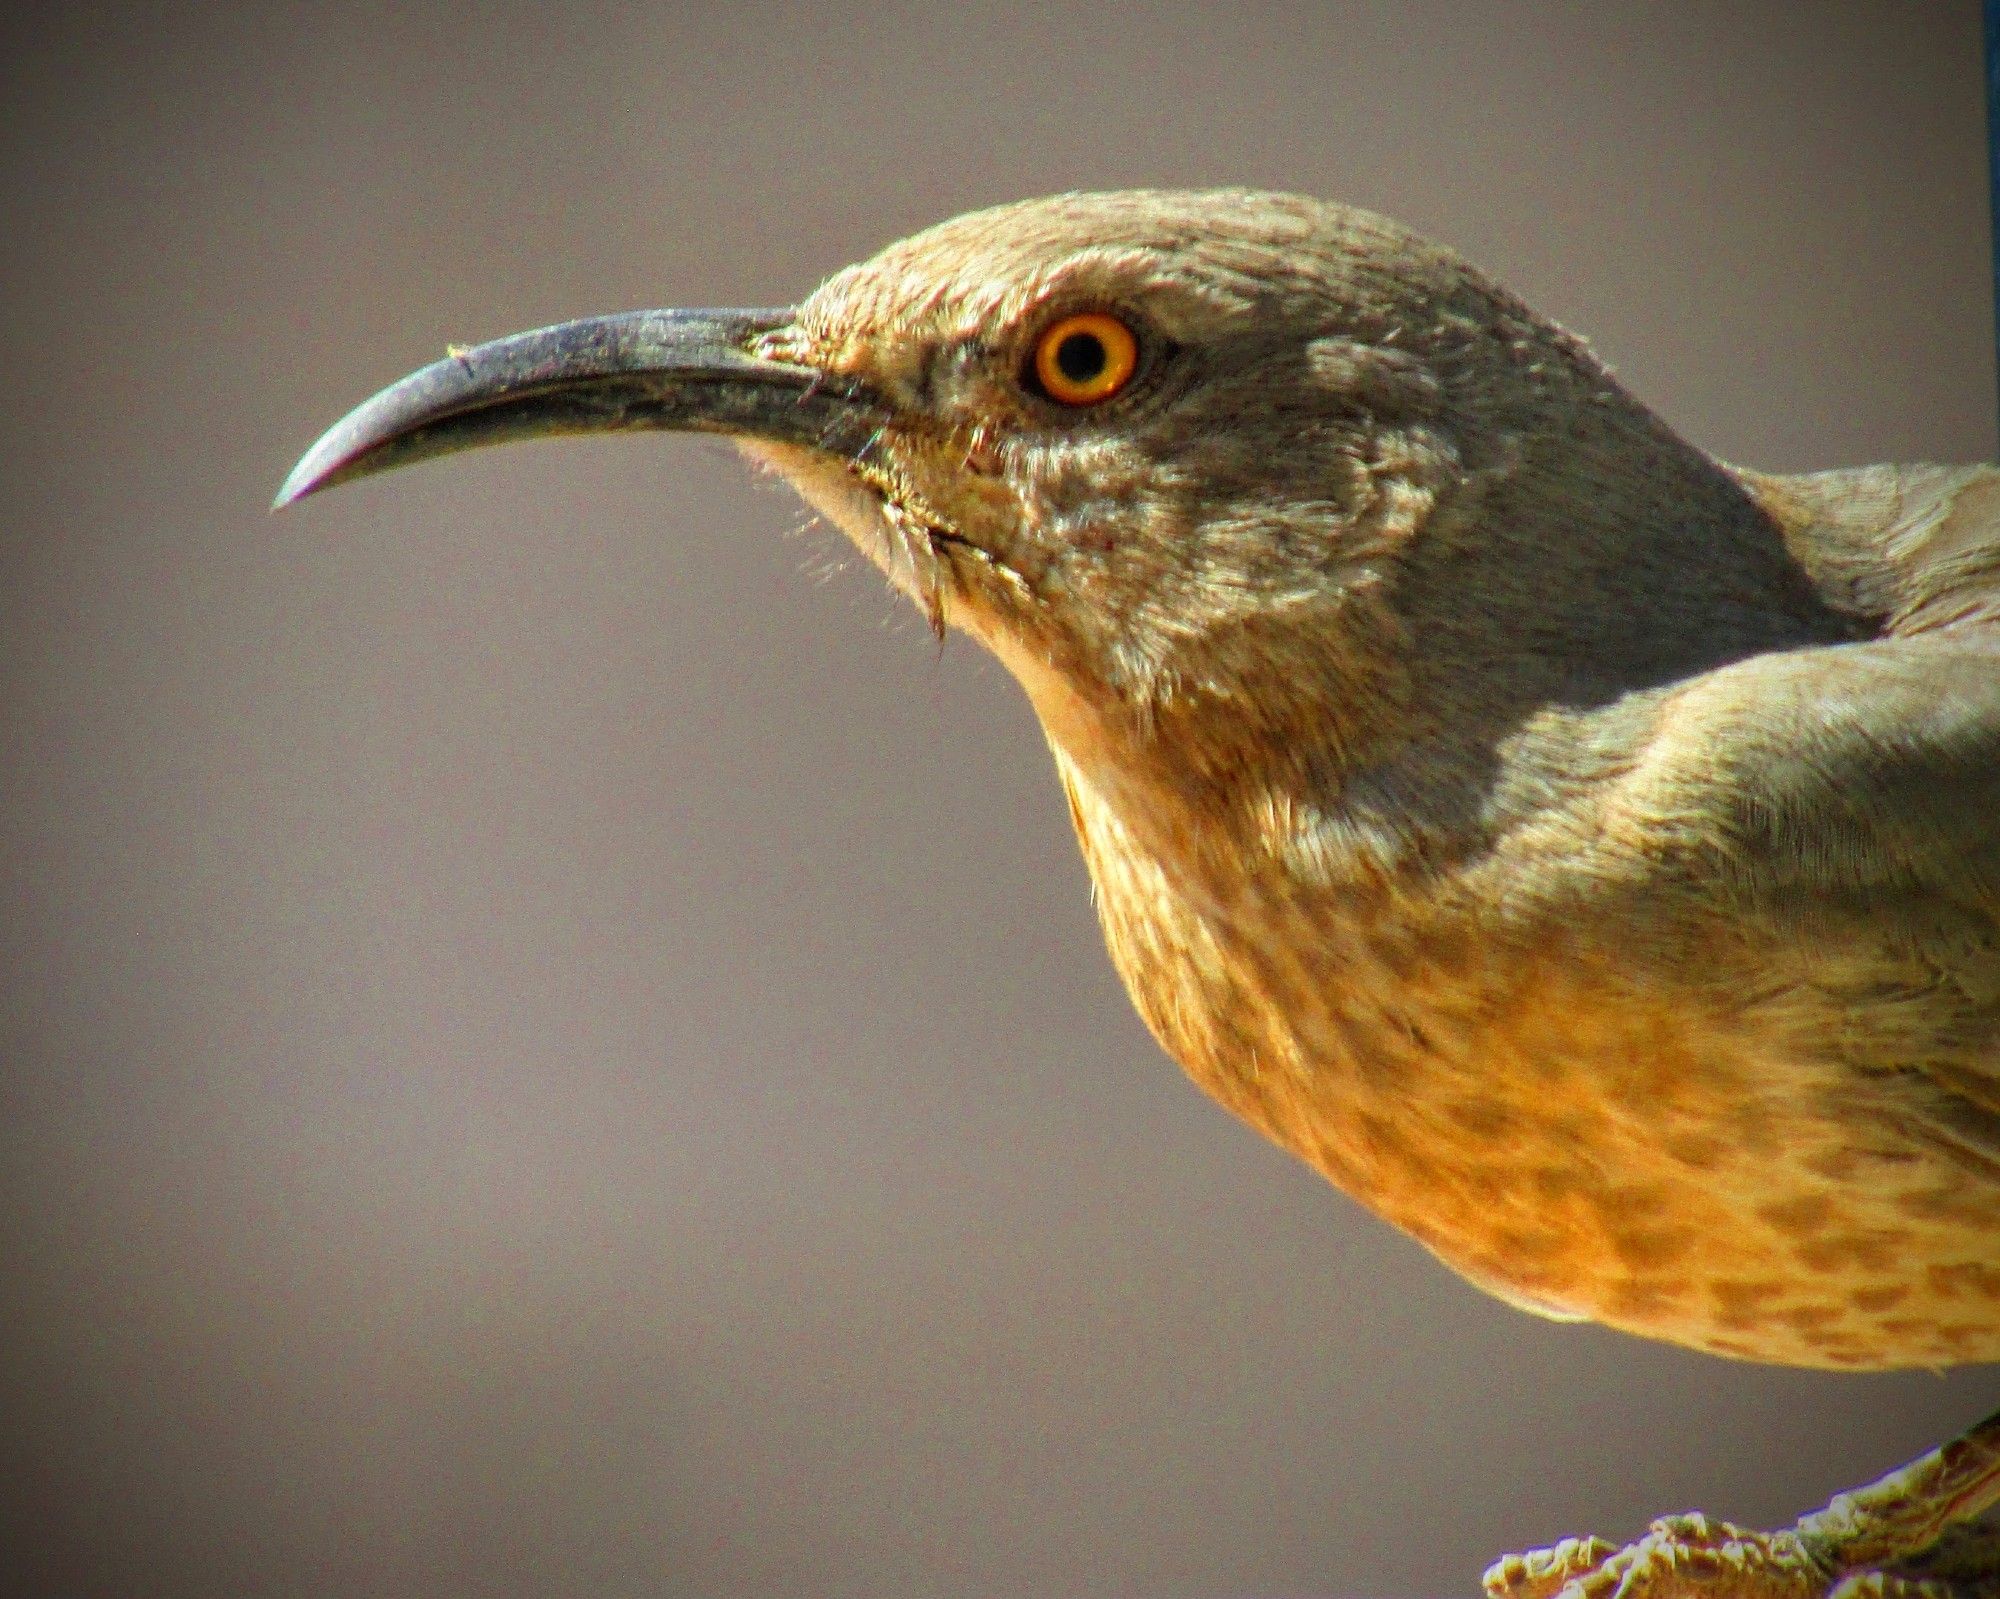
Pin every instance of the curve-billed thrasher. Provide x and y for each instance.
(1584, 853)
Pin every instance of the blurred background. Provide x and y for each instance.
(551, 1041)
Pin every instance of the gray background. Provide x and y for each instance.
(547, 1050)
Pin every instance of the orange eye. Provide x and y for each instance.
(1085, 359)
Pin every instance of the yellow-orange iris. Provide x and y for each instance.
(1086, 358)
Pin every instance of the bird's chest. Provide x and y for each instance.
(1542, 1123)
(1358, 1029)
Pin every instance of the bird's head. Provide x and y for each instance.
(1182, 460)
(1155, 450)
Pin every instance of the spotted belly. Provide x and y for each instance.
(1567, 1139)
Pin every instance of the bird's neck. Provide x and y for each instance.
(1572, 577)
(1594, 555)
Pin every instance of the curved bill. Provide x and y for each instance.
(685, 370)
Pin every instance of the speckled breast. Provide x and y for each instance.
(1564, 1135)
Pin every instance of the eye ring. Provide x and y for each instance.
(1085, 358)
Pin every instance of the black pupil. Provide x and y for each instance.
(1081, 357)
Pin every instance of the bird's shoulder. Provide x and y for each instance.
(1835, 766)
(1832, 816)
(1857, 767)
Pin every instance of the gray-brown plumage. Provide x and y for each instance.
(1583, 852)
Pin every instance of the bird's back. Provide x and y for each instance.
(1912, 549)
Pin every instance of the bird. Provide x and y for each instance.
(1583, 852)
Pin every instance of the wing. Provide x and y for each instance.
(1836, 811)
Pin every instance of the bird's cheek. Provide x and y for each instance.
(989, 510)
(985, 511)
(1085, 540)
